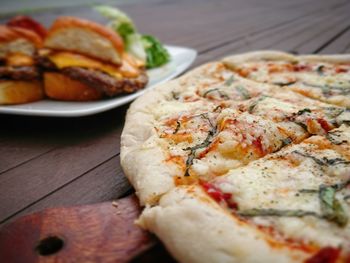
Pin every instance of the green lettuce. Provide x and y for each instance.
(144, 47)
(157, 55)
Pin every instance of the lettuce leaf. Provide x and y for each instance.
(115, 15)
(157, 55)
(144, 47)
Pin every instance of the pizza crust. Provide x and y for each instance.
(196, 229)
(144, 164)
(344, 58)
(273, 55)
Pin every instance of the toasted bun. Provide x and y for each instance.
(28, 23)
(9, 33)
(17, 92)
(85, 37)
(58, 86)
(18, 40)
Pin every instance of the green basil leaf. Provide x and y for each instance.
(276, 212)
(331, 208)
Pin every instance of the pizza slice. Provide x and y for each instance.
(164, 125)
(325, 78)
(290, 206)
(289, 109)
(216, 83)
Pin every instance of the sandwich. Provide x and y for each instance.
(83, 61)
(20, 76)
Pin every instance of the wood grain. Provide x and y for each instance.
(104, 183)
(341, 44)
(92, 233)
(86, 147)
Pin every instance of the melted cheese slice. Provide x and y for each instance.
(17, 59)
(67, 59)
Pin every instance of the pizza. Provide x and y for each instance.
(234, 167)
(325, 78)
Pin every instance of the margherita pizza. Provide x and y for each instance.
(232, 166)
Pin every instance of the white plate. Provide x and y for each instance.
(181, 59)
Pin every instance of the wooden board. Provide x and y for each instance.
(102, 232)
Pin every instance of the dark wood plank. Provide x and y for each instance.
(241, 25)
(20, 152)
(104, 183)
(281, 37)
(86, 148)
(260, 39)
(313, 30)
(238, 25)
(23, 138)
(340, 45)
(323, 38)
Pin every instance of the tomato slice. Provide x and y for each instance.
(325, 255)
(28, 23)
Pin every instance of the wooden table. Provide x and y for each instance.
(47, 162)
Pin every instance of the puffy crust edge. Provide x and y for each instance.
(339, 58)
(234, 60)
(67, 21)
(273, 55)
(150, 177)
(196, 229)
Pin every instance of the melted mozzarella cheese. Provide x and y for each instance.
(323, 81)
(280, 181)
(18, 59)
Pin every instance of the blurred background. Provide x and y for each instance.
(32, 6)
(216, 28)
